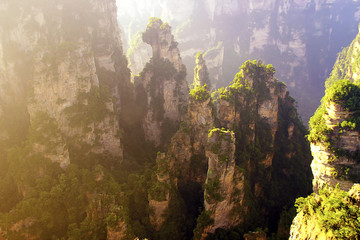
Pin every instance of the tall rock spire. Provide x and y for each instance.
(162, 84)
(201, 74)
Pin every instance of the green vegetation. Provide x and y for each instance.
(332, 212)
(319, 131)
(199, 55)
(251, 82)
(349, 58)
(151, 31)
(199, 93)
(158, 190)
(153, 21)
(222, 146)
(212, 191)
(203, 221)
(54, 203)
(347, 95)
(91, 107)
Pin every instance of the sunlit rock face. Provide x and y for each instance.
(224, 187)
(232, 112)
(328, 168)
(60, 61)
(295, 36)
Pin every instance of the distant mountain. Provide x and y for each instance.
(300, 38)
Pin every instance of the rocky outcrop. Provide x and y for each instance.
(224, 186)
(158, 36)
(258, 109)
(334, 136)
(138, 54)
(264, 103)
(328, 167)
(163, 83)
(336, 152)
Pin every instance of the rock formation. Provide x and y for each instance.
(334, 133)
(67, 72)
(224, 186)
(185, 158)
(201, 74)
(347, 64)
(63, 79)
(163, 83)
(239, 108)
(159, 196)
(300, 38)
(221, 160)
(328, 167)
(228, 163)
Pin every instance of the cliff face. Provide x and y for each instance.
(328, 167)
(224, 186)
(258, 109)
(335, 154)
(67, 72)
(239, 107)
(63, 79)
(163, 83)
(294, 36)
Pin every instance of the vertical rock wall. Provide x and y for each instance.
(64, 62)
(224, 187)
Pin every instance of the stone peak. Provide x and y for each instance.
(158, 35)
